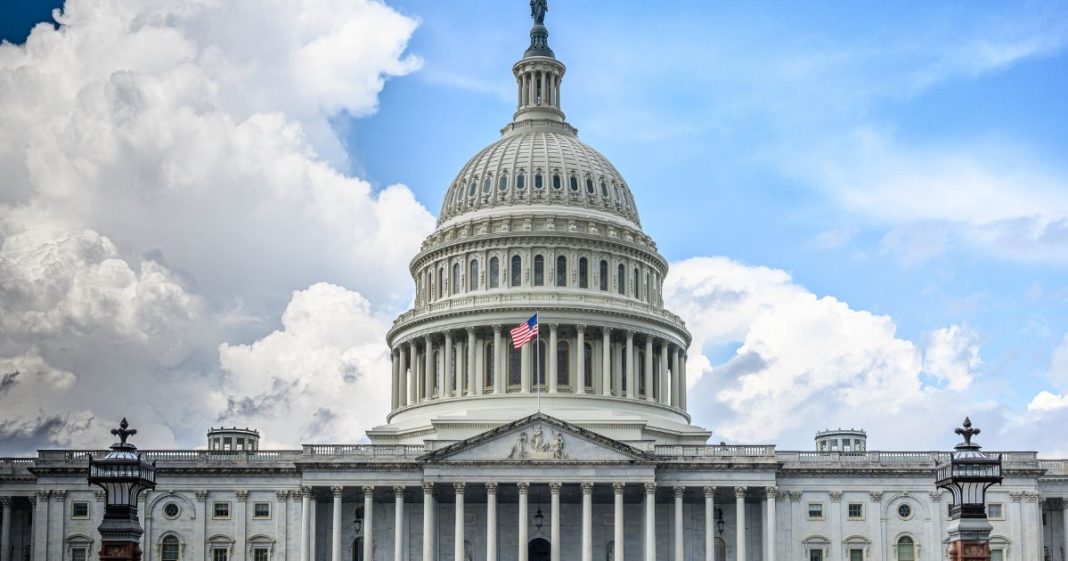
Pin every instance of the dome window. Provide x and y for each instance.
(621, 280)
(584, 273)
(604, 189)
(603, 279)
(502, 183)
(538, 182)
(487, 185)
(573, 184)
(539, 270)
(561, 271)
(520, 181)
(472, 187)
(494, 272)
(589, 185)
(557, 184)
(517, 270)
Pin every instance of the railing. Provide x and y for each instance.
(718, 450)
(177, 456)
(1054, 466)
(366, 450)
(874, 457)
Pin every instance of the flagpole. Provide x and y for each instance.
(537, 357)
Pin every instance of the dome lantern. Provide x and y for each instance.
(538, 74)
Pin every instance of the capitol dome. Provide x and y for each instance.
(538, 223)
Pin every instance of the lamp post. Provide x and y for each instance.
(967, 475)
(123, 475)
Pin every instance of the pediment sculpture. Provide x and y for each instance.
(537, 446)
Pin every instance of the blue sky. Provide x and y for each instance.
(906, 160)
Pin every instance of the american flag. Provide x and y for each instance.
(524, 332)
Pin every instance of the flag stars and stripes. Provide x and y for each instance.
(524, 332)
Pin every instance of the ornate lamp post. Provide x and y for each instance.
(123, 475)
(967, 475)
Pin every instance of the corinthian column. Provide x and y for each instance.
(650, 395)
(428, 372)
(675, 377)
(587, 521)
(710, 523)
(578, 385)
(5, 529)
(413, 365)
(617, 521)
(680, 493)
(522, 520)
(335, 529)
(458, 523)
(665, 379)
(632, 386)
(650, 522)
(398, 523)
(449, 381)
(474, 385)
(402, 377)
(499, 374)
(395, 394)
(491, 521)
(305, 524)
(368, 520)
(428, 522)
(739, 505)
(771, 494)
(551, 359)
(554, 521)
(606, 362)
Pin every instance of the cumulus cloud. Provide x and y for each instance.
(171, 177)
(801, 362)
(1047, 401)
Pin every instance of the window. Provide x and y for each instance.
(589, 185)
(227, 443)
(538, 181)
(906, 549)
(539, 270)
(517, 270)
(520, 181)
(604, 275)
(557, 185)
(502, 183)
(904, 511)
(79, 510)
(621, 279)
(997, 555)
(561, 270)
(815, 511)
(995, 511)
(220, 555)
(168, 549)
(472, 186)
(563, 363)
(856, 511)
(472, 275)
(637, 283)
(815, 555)
(573, 183)
(261, 510)
(455, 278)
(584, 273)
(515, 363)
(79, 554)
(604, 189)
(171, 510)
(442, 281)
(491, 365)
(856, 555)
(587, 365)
(260, 554)
(220, 510)
(494, 272)
(487, 185)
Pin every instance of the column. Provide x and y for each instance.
(398, 523)
(874, 514)
(499, 374)
(311, 533)
(665, 379)
(682, 380)
(674, 377)
(458, 523)
(402, 377)
(617, 369)
(650, 394)
(40, 527)
(524, 368)
(834, 515)
(413, 365)
(522, 520)
(650, 522)
(771, 495)
(554, 521)
(739, 506)
(368, 521)
(937, 515)
(606, 362)
(617, 522)
(200, 529)
(474, 385)
(632, 386)
(587, 521)
(710, 523)
(394, 396)
(448, 374)
(428, 369)
(5, 529)
(578, 385)
(680, 493)
(428, 522)
(491, 521)
(335, 529)
(551, 358)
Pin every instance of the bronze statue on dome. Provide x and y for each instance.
(538, 9)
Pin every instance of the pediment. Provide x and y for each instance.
(538, 438)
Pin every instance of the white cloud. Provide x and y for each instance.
(1046, 401)
(952, 355)
(170, 177)
(803, 362)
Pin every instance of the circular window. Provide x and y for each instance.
(904, 511)
(171, 510)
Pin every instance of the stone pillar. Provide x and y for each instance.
(458, 523)
(398, 523)
(650, 522)
(710, 523)
(769, 537)
(551, 358)
(606, 362)
(491, 521)
(474, 385)
(395, 395)
(448, 379)
(5, 529)
(587, 521)
(665, 379)
(200, 528)
(739, 505)
(522, 520)
(675, 377)
(311, 534)
(618, 375)
(413, 365)
(335, 529)
(578, 385)
(682, 380)
(368, 521)
(554, 521)
(617, 522)
(428, 522)
(428, 368)
(874, 513)
(650, 393)
(525, 368)
(40, 527)
(632, 385)
(402, 377)
(680, 553)
(499, 374)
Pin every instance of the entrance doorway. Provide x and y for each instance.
(721, 549)
(538, 550)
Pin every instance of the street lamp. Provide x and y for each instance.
(720, 524)
(967, 475)
(123, 475)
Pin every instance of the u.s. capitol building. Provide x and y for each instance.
(576, 447)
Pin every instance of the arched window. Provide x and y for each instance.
(472, 275)
(502, 182)
(515, 367)
(563, 363)
(637, 284)
(520, 181)
(604, 189)
(441, 282)
(488, 359)
(587, 365)
(494, 272)
(603, 280)
(584, 273)
(561, 270)
(472, 186)
(906, 549)
(573, 183)
(589, 185)
(557, 184)
(538, 184)
(517, 270)
(487, 185)
(539, 270)
(169, 549)
(621, 279)
(455, 278)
